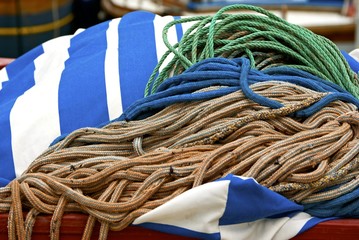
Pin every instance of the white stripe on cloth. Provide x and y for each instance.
(31, 130)
(227, 209)
(112, 72)
(161, 48)
(3, 77)
(187, 25)
(293, 226)
(198, 209)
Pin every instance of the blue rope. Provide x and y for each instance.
(346, 205)
(236, 74)
(232, 75)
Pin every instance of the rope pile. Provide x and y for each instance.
(125, 169)
(267, 40)
(292, 131)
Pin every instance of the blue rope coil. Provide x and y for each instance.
(235, 74)
(343, 206)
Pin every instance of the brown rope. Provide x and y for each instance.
(125, 169)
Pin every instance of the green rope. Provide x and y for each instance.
(265, 39)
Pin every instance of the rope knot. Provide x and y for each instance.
(349, 117)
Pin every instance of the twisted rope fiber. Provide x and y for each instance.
(234, 74)
(267, 40)
(299, 140)
(125, 169)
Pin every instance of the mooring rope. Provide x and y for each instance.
(265, 39)
(233, 74)
(236, 74)
(246, 98)
(125, 169)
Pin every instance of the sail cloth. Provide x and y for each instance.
(91, 77)
(230, 208)
(75, 81)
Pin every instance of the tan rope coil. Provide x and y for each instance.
(125, 169)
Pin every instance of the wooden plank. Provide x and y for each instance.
(73, 225)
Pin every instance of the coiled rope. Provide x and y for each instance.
(125, 169)
(236, 74)
(269, 116)
(264, 38)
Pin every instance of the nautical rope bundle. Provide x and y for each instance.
(235, 74)
(290, 130)
(265, 39)
(125, 169)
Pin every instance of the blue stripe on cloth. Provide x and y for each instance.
(229, 208)
(4, 182)
(179, 29)
(137, 54)
(180, 231)
(354, 64)
(82, 90)
(21, 76)
(20, 82)
(7, 171)
(274, 205)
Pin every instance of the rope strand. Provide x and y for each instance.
(252, 36)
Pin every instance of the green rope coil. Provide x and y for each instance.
(265, 39)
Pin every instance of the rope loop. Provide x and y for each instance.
(244, 94)
(265, 39)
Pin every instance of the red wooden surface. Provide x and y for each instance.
(5, 61)
(73, 226)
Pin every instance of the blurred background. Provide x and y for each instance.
(24, 24)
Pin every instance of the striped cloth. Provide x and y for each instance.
(91, 77)
(230, 208)
(75, 81)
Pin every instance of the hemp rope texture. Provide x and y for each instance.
(125, 169)
(236, 74)
(99, 171)
(265, 39)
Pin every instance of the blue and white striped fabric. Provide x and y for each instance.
(91, 77)
(230, 208)
(75, 81)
